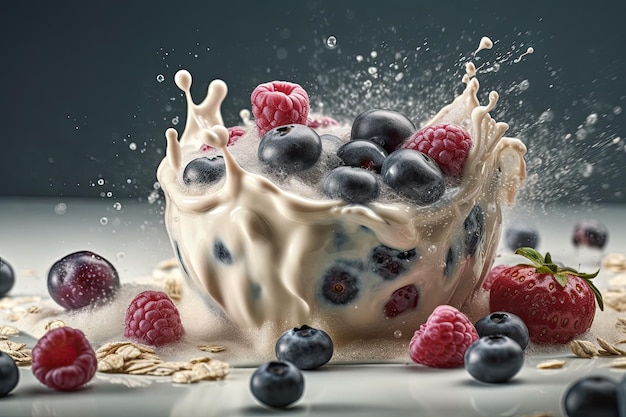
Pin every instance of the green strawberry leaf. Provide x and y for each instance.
(544, 265)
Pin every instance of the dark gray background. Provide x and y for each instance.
(78, 80)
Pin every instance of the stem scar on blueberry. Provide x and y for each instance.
(545, 265)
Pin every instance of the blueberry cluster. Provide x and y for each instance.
(371, 157)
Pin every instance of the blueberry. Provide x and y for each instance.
(9, 374)
(277, 384)
(363, 154)
(7, 277)
(221, 252)
(390, 263)
(474, 226)
(595, 396)
(352, 185)
(403, 299)
(494, 359)
(204, 170)
(521, 235)
(591, 233)
(305, 347)
(387, 128)
(506, 324)
(340, 283)
(415, 175)
(290, 148)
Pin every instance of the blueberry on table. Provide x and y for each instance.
(521, 235)
(388, 128)
(591, 233)
(277, 384)
(414, 175)
(352, 185)
(204, 170)
(595, 396)
(506, 324)
(306, 347)
(7, 277)
(363, 154)
(494, 359)
(290, 148)
(9, 374)
(82, 278)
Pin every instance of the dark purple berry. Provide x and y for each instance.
(290, 148)
(390, 263)
(9, 374)
(595, 396)
(474, 227)
(494, 359)
(277, 384)
(305, 347)
(340, 284)
(387, 128)
(204, 170)
(451, 260)
(81, 279)
(506, 324)
(521, 235)
(363, 154)
(7, 277)
(591, 233)
(414, 175)
(352, 185)
(403, 299)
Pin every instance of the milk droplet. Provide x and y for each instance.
(103, 220)
(60, 209)
(160, 78)
(101, 181)
(175, 120)
(397, 334)
(117, 205)
(359, 58)
(372, 71)
(331, 42)
(432, 249)
(132, 146)
(120, 256)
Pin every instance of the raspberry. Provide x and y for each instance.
(234, 133)
(441, 342)
(64, 360)
(446, 143)
(279, 103)
(153, 319)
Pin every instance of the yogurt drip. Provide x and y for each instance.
(283, 246)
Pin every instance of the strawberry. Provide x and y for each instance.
(556, 303)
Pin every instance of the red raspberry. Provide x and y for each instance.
(279, 103)
(64, 360)
(153, 319)
(234, 133)
(492, 275)
(441, 342)
(446, 143)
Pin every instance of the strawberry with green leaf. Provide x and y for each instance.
(556, 303)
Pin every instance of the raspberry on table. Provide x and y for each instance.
(64, 360)
(446, 143)
(279, 103)
(153, 319)
(441, 342)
